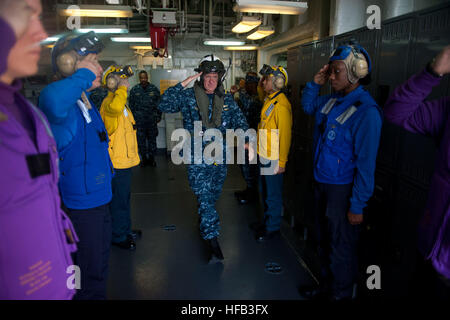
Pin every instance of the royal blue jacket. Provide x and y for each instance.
(346, 138)
(85, 166)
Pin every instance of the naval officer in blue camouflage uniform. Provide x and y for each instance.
(144, 100)
(206, 102)
(250, 105)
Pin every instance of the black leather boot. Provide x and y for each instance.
(248, 196)
(151, 161)
(215, 251)
(127, 244)
(135, 234)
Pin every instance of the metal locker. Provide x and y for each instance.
(417, 152)
(306, 59)
(432, 35)
(345, 37)
(387, 156)
(416, 158)
(392, 66)
(394, 53)
(321, 55)
(293, 69)
(402, 252)
(292, 205)
(369, 40)
(298, 181)
(306, 122)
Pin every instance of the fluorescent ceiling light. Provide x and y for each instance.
(273, 7)
(246, 24)
(262, 32)
(131, 39)
(141, 47)
(104, 29)
(242, 48)
(50, 39)
(223, 42)
(96, 11)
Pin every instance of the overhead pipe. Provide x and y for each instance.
(311, 29)
(210, 18)
(186, 20)
(223, 19)
(233, 73)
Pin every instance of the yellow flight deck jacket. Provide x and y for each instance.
(276, 118)
(121, 128)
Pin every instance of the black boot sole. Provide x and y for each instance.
(214, 259)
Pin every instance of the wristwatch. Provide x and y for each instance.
(432, 72)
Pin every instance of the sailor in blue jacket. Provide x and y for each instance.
(208, 104)
(85, 167)
(346, 137)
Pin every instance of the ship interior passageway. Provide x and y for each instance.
(171, 260)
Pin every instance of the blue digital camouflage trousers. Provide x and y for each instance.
(146, 138)
(206, 181)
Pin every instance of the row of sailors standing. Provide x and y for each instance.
(64, 166)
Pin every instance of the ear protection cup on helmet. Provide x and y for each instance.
(356, 59)
(112, 82)
(359, 66)
(280, 76)
(71, 48)
(279, 82)
(66, 63)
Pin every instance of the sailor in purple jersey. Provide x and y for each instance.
(36, 236)
(406, 107)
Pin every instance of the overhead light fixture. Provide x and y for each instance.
(262, 32)
(50, 39)
(242, 48)
(247, 24)
(103, 11)
(272, 7)
(141, 47)
(223, 42)
(104, 29)
(131, 39)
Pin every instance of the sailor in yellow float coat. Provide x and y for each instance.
(276, 114)
(274, 141)
(123, 150)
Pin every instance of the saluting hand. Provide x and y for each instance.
(89, 62)
(321, 77)
(189, 79)
(124, 82)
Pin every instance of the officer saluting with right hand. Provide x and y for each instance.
(208, 104)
